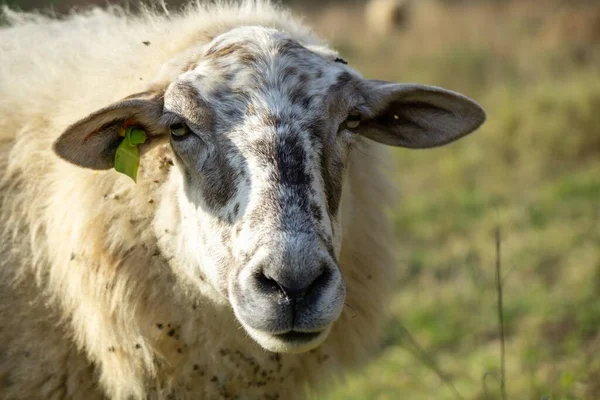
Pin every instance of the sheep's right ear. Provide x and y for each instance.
(93, 141)
(417, 116)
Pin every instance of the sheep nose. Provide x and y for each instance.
(291, 286)
(293, 283)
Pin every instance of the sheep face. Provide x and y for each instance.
(261, 128)
(260, 142)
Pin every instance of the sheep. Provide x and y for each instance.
(386, 16)
(252, 256)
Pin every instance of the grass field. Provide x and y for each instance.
(533, 170)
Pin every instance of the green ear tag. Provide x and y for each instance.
(127, 157)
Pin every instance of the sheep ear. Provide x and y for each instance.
(417, 116)
(93, 141)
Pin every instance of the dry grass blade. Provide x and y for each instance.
(430, 362)
(484, 381)
(500, 315)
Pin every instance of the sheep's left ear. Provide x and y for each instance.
(92, 141)
(417, 116)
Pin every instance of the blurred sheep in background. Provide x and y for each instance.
(386, 16)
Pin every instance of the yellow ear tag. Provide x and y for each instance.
(127, 157)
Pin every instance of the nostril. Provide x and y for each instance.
(267, 284)
(293, 284)
(321, 280)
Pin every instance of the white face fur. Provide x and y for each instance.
(261, 128)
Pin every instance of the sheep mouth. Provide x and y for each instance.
(295, 336)
(292, 342)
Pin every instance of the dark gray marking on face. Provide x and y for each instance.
(316, 211)
(289, 47)
(298, 94)
(291, 159)
(295, 185)
(219, 183)
(332, 169)
(234, 113)
(303, 77)
(306, 102)
(188, 103)
(291, 184)
(342, 82)
(290, 70)
(217, 177)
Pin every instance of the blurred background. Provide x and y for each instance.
(533, 170)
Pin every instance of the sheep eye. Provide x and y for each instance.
(179, 131)
(353, 121)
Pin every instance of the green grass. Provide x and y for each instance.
(533, 170)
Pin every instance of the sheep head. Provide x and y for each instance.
(261, 128)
